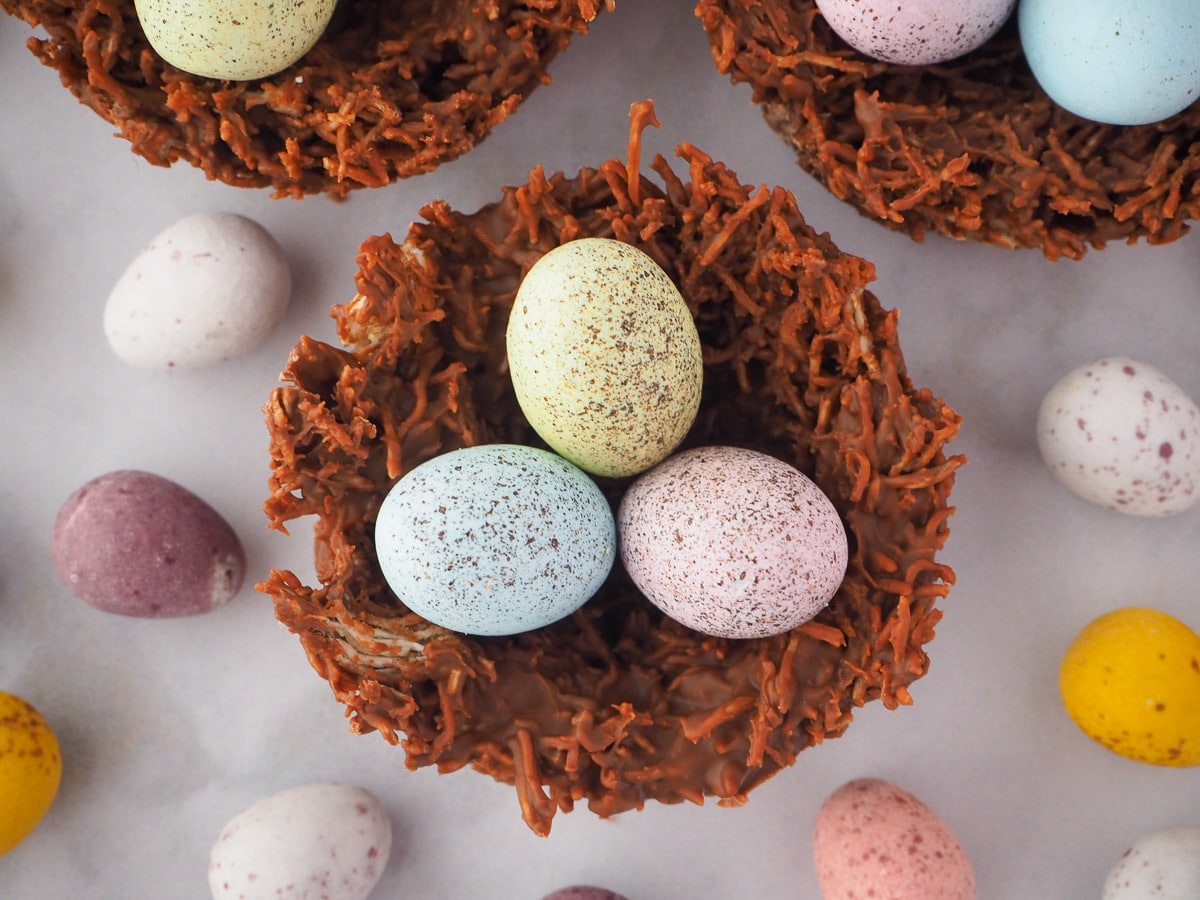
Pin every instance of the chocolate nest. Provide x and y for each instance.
(393, 88)
(615, 705)
(972, 148)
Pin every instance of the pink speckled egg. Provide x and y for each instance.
(915, 32)
(874, 840)
(732, 542)
(1121, 434)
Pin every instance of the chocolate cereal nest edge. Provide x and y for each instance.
(392, 89)
(616, 705)
(972, 148)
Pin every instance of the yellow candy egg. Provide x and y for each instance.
(30, 769)
(1131, 681)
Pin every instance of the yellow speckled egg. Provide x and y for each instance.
(1131, 681)
(604, 356)
(30, 769)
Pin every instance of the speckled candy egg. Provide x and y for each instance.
(206, 289)
(732, 542)
(873, 839)
(138, 544)
(495, 539)
(1114, 61)
(1131, 681)
(1120, 433)
(1160, 865)
(307, 842)
(238, 40)
(583, 892)
(30, 769)
(605, 357)
(915, 32)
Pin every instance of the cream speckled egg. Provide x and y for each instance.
(605, 357)
(915, 32)
(1159, 865)
(732, 542)
(1121, 434)
(238, 40)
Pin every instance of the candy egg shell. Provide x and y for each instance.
(605, 357)
(208, 288)
(1159, 865)
(1114, 61)
(1131, 681)
(495, 539)
(308, 841)
(30, 769)
(915, 32)
(873, 839)
(137, 544)
(1120, 433)
(732, 542)
(233, 39)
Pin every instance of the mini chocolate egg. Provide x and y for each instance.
(138, 544)
(30, 769)
(312, 840)
(1160, 865)
(605, 357)
(206, 289)
(583, 892)
(1131, 681)
(873, 839)
(1114, 61)
(732, 542)
(915, 32)
(495, 539)
(1121, 434)
(238, 40)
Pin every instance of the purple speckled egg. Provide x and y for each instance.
(1121, 434)
(732, 542)
(583, 892)
(915, 32)
(137, 544)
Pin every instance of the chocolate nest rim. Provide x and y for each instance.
(392, 89)
(972, 148)
(616, 705)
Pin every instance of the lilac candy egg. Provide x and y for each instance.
(915, 32)
(136, 544)
(732, 542)
(1121, 434)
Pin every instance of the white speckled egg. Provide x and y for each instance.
(238, 40)
(915, 32)
(495, 539)
(305, 842)
(605, 356)
(732, 542)
(1120, 433)
(206, 289)
(1159, 865)
(1114, 61)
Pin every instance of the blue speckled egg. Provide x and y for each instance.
(495, 539)
(1114, 61)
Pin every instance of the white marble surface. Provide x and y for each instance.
(168, 728)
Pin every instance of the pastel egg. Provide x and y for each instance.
(1131, 681)
(1121, 434)
(308, 841)
(237, 40)
(137, 544)
(1159, 865)
(208, 288)
(732, 542)
(605, 356)
(873, 839)
(30, 769)
(915, 32)
(583, 892)
(495, 539)
(1114, 61)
